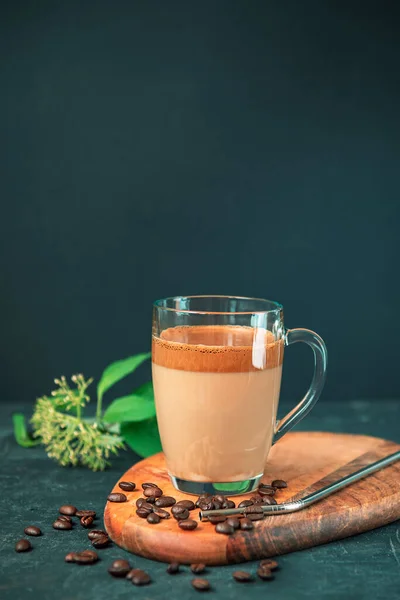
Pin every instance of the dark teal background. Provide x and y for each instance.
(159, 148)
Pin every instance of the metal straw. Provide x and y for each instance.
(295, 505)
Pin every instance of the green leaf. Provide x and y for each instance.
(20, 432)
(142, 437)
(129, 408)
(118, 370)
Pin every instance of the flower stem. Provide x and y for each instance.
(99, 407)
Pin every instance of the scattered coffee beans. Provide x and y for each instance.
(85, 513)
(152, 492)
(198, 568)
(224, 528)
(255, 516)
(143, 513)
(242, 576)
(269, 500)
(67, 509)
(233, 522)
(180, 512)
(215, 520)
(32, 530)
(119, 568)
(101, 541)
(173, 568)
(201, 585)
(62, 525)
(187, 524)
(246, 524)
(117, 497)
(245, 503)
(152, 518)
(95, 533)
(140, 501)
(138, 577)
(257, 499)
(228, 504)
(266, 490)
(165, 501)
(186, 504)
(64, 518)
(163, 514)
(86, 522)
(264, 573)
(87, 557)
(269, 563)
(23, 546)
(280, 484)
(127, 486)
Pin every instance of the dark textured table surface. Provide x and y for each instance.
(33, 487)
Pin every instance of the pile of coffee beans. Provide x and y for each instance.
(152, 506)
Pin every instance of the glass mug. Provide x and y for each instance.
(217, 366)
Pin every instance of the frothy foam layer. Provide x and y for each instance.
(217, 349)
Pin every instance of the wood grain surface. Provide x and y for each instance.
(307, 461)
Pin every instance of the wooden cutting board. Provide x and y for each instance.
(307, 461)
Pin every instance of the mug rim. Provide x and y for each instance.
(277, 306)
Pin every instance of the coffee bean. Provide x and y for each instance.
(142, 513)
(91, 553)
(173, 568)
(202, 499)
(149, 485)
(153, 519)
(188, 524)
(119, 568)
(140, 501)
(255, 509)
(264, 573)
(216, 505)
(266, 490)
(257, 499)
(233, 522)
(246, 524)
(138, 577)
(269, 563)
(186, 504)
(268, 500)
(198, 568)
(147, 506)
(215, 520)
(228, 504)
(242, 576)
(163, 514)
(151, 499)
(206, 505)
(67, 509)
(64, 518)
(255, 516)
(280, 484)
(101, 541)
(180, 510)
(23, 546)
(219, 498)
(201, 585)
(116, 497)
(245, 503)
(224, 528)
(95, 533)
(165, 501)
(152, 492)
(86, 522)
(84, 558)
(85, 513)
(127, 486)
(62, 525)
(70, 557)
(32, 530)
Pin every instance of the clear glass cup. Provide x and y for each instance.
(217, 366)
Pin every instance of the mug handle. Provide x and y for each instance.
(320, 364)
